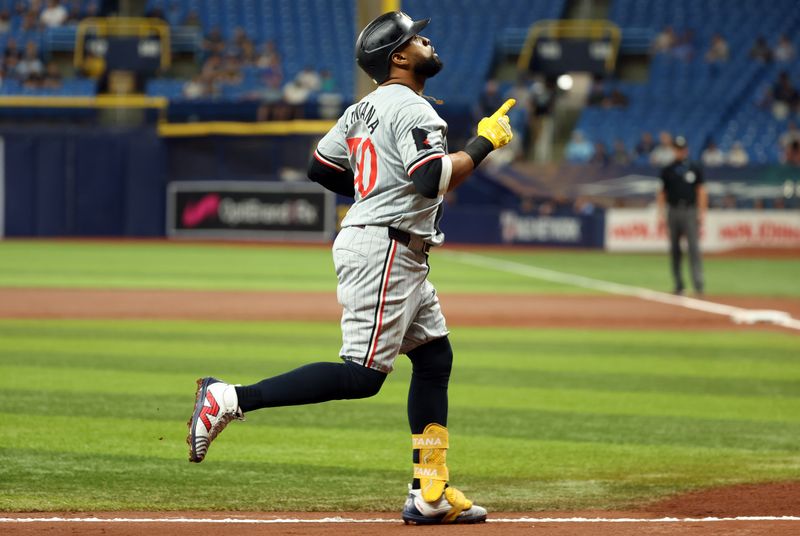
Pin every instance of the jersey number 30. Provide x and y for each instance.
(359, 147)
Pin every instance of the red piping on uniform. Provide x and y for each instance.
(424, 160)
(383, 303)
(326, 163)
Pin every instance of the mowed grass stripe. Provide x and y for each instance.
(750, 355)
(378, 414)
(461, 394)
(379, 449)
(148, 483)
(240, 368)
(205, 267)
(65, 481)
(264, 267)
(723, 275)
(164, 265)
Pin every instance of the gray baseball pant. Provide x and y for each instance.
(682, 221)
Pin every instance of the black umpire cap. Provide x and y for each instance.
(381, 38)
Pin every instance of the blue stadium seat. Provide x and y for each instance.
(691, 97)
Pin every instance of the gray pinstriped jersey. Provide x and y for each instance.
(384, 138)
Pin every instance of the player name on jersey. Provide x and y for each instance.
(363, 111)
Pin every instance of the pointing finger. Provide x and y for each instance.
(503, 110)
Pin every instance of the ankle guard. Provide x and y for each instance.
(432, 467)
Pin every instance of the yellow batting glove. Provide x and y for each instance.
(496, 128)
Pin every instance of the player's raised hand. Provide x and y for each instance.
(496, 128)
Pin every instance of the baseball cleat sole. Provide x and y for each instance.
(197, 455)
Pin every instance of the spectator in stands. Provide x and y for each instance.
(784, 97)
(241, 41)
(309, 78)
(30, 67)
(578, 149)
(75, 13)
(30, 22)
(327, 83)
(784, 50)
(712, 155)
(684, 46)
(620, 155)
(489, 100)
(173, 15)
(600, 156)
(11, 51)
(329, 98)
(791, 155)
(664, 41)
(583, 206)
(5, 22)
(195, 88)
(54, 15)
(192, 20)
(269, 58)
(597, 92)
(644, 147)
(20, 8)
(543, 97)
(663, 154)
(718, 52)
(295, 95)
(231, 72)
(52, 77)
(213, 68)
(615, 99)
(737, 156)
(249, 56)
(213, 42)
(792, 134)
(272, 107)
(761, 51)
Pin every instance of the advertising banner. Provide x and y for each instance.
(481, 225)
(250, 210)
(641, 230)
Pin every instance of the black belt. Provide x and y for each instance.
(405, 238)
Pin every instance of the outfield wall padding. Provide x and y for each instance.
(83, 181)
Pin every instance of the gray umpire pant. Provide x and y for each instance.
(682, 221)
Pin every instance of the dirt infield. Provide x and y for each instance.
(593, 311)
(731, 511)
(716, 512)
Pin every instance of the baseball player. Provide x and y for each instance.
(389, 152)
(685, 193)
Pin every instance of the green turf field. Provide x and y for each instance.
(93, 412)
(208, 267)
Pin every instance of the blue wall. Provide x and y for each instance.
(84, 181)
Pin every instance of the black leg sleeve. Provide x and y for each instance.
(311, 384)
(427, 394)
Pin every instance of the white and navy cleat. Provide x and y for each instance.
(216, 404)
(418, 511)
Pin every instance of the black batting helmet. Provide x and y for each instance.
(377, 42)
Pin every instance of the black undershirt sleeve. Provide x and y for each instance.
(340, 182)
(426, 178)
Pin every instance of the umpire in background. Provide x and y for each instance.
(687, 199)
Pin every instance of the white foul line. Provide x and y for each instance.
(385, 520)
(737, 314)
